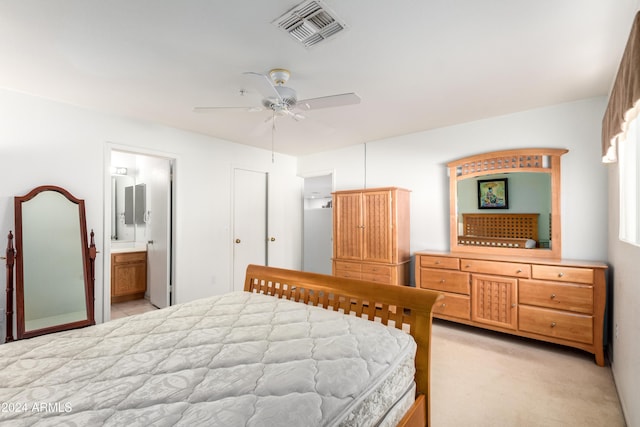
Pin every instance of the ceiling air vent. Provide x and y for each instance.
(310, 23)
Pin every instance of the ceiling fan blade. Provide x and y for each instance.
(263, 85)
(328, 101)
(295, 116)
(232, 109)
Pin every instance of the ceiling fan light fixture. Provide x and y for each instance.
(279, 75)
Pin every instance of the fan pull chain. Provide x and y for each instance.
(273, 131)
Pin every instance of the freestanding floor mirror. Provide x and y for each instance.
(54, 264)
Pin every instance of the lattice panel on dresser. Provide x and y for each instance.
(494, 301)
(507, 163)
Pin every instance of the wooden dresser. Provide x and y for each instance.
(128, 276)
(371, 235)
(558, 301)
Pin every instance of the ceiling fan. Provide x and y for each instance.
(282, 100)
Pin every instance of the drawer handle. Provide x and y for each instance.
(513, 305)
(518, 271)
(553, 324)
(553, 296)
(443, 305)
(442, 280)
(467, 266)
(437, 262)
(560, 274)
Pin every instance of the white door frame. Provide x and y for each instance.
(106, 277)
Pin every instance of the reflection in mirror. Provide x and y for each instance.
(54, 264)
(528, 192)
(121, 229)
(139, 204)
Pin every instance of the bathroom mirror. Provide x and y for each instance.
(523, 215)
(54, 263)
(128, 208)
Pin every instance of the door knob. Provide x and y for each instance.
(150, 242)
(237, 240)
(273, 239)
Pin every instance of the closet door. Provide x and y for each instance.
(249, 223)
(348, 226)
(378, 226)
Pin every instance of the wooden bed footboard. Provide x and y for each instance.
(403, 307)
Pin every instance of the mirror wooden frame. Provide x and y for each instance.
(539, 160)
(15, 256)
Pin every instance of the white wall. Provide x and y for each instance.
(625, 292)
(45, 142)
(418, 162)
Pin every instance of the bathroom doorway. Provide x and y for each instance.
(140, 262)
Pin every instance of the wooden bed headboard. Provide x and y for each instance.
(505, 230)
(401, 306)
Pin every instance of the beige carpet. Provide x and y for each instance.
(482, 378)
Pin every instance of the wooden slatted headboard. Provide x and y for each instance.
(504, 230)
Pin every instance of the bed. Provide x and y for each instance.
(294, 348)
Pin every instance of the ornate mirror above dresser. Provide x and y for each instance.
(507, 203)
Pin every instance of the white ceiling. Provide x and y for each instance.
(416, 64)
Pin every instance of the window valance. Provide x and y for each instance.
(624, 102)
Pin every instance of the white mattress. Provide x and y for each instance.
(233, 360)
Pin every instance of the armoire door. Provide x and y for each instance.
(348, 226)
(378, 227)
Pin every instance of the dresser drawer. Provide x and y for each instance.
(440, 262)
(347, 266)
(511, 269)
(555, 323)
(379, 270)
(375, 278)
(444, 280)
(349, 274)
(129, 257)
(562, 296)
(453, 305)
(563, 274)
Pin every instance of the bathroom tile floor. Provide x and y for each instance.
(124, 309)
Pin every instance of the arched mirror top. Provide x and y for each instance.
(54, 263)
(507, 203)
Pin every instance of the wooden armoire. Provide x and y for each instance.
(371, 235)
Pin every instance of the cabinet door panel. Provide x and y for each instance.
(129, 274)
(378, 228)
(348, 226)
(494, 300)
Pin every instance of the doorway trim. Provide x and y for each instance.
(109, 147)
